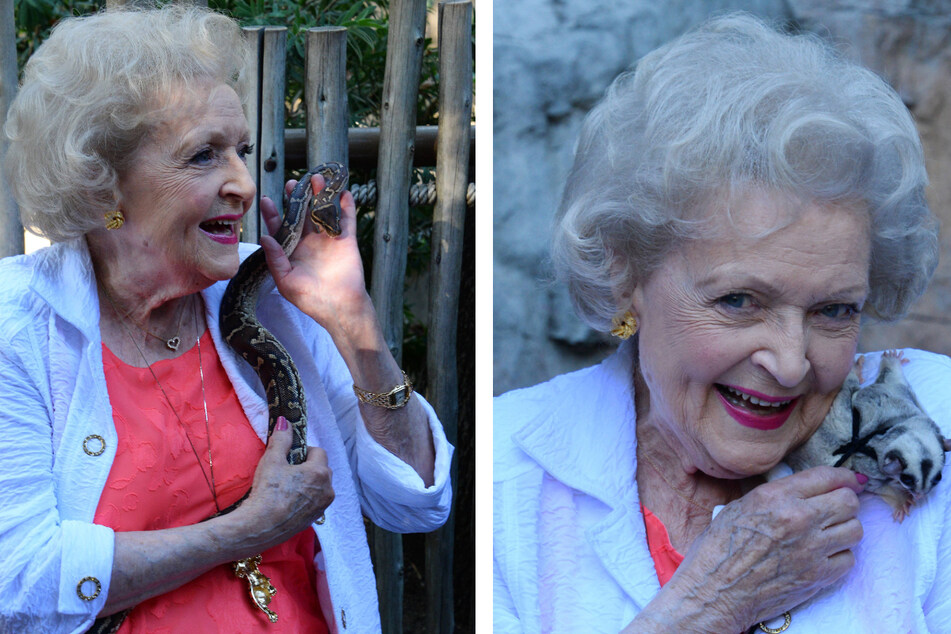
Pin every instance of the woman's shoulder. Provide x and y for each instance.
(574, 395)
(15, 271)
(19, 300)
(514, 406)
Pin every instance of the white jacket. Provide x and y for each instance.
(570, 550)
(53, 394)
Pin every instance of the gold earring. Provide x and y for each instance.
(114, 219)
(624, 326)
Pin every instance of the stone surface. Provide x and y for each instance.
(552, 61)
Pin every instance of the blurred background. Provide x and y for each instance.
(552, 62)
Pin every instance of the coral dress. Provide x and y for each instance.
(157, 482)
(665, 556)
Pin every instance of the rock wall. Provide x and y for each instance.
(552, 61)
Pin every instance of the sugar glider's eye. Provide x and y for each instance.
(907, 480)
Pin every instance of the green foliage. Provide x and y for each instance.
(35, 19)
(367, 25)
(366, 21)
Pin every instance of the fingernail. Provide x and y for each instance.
(282, 424)
(862, 478)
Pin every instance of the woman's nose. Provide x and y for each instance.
(783, 355)
(239, 183)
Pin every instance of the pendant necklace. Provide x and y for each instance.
(210, 475)
(259, 585)
(172, 343)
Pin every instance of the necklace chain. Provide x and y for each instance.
(211, 469)
(172, 343)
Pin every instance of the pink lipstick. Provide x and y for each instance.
(222, 229)
(755, 410)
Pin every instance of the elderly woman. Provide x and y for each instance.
(128, 421)
(737, 201)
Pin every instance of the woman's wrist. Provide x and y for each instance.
(359, 338)
(244, 533)
(353, 326)
(674, 610)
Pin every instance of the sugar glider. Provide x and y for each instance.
(882, 432)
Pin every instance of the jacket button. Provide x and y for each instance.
(95, 591)
(94, 445)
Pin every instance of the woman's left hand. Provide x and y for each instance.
(323, 276)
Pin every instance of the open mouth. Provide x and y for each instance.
(753, 411)
(221, 230)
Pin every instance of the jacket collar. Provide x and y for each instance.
(63, 277)
(586, 440)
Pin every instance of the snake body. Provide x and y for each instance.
(240, 326)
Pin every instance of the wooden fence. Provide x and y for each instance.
(327, 137)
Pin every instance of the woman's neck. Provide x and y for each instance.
(678, 493)
(144, 316)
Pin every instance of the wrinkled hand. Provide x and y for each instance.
(323, 277)
(285, 499)
(774, 548)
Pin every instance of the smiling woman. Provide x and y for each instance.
(737, 202)
(751, 330)
(131, 427)
(183, 195)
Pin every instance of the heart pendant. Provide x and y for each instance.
(173, 343)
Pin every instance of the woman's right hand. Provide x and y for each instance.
(765, 553)
(285, 499)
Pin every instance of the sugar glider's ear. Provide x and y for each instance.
(894, 463)
(946, 443)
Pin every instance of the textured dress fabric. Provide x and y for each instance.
(58, 439)
(665, 556)
(570, 546)
(161, 478)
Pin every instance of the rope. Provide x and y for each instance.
(419, 194)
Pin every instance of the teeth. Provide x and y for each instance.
(756, 401)
(218, 226)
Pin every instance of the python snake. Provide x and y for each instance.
(243, 332)
(240, 326)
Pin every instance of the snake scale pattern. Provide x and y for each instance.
(240, 326)
(243, 332)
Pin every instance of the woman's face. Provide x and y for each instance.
(188, 187)
(744, 341)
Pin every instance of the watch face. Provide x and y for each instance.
(397, 398)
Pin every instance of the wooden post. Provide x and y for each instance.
(325, 95)
(404, 56)
(273, 89)
(394, 166)
(11, 231)
(266, 119)
(449, 216)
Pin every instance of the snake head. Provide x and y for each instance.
(324, 206)
(326, 217)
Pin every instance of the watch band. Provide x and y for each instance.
(394, 399)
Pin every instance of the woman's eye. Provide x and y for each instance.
(202, 157)
(246, 151)
(736, 300)
(838, 311)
